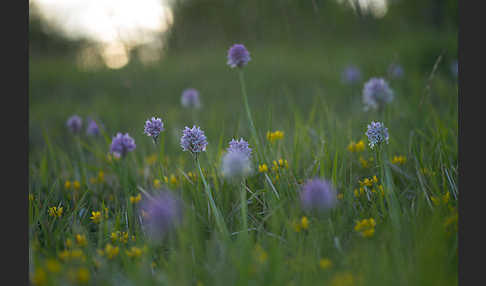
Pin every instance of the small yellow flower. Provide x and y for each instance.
(67, 184)
(325, 263)
(360, 146)
(150, 160)
(69, 243)
(351, 147)
(365, 227)
(114, 236)
(93, 180)
(356, 147)
(52, 265)
(124, 237)
(260, 254)
(81, 240)
(64, 255)
(273, 136)
(435, 200)
(83, 275)
(399, 160)
(343, 279)
(340, 196)
(76, 185)
(134, 252)
(304, 222)
(173, 179)
(31, 197)
(96, 216)
(157, 183)
(166, 179)
(101, 176)
(55, 211)
(446, 198)
(39, 277)
(135, 199)
(111, 251)
(77, 254)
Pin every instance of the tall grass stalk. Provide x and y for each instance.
(217, 214)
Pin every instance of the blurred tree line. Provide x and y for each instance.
(199, 22)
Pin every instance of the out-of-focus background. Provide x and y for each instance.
(122, 61)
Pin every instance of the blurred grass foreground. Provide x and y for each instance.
(155, 214)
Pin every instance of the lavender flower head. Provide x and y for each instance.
(318, 195)
(122, 144)
(377, 134)
(236, 165)
(190, 98)
(74, 123)
(193, 140)
(238, 56)
(160, 214)
(351, 74)
(396, 71)
(239, 146)
(93, 128)
(153, 127)
(376, 93)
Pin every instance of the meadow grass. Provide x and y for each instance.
(415, 236)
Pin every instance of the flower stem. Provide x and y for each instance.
(244, 210)
(217, 215)
(248, 111)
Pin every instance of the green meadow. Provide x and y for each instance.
(295, 88)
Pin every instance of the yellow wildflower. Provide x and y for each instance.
(356, 147)
(114, 236)
(399, 160)
(173, 179)
(134, 252)
(325, 263)
(135, 199)
(81, 240)
(157, 183)
(150, 160)
(39, 277)
(260, 254)
(192, 176)
(95, 216)
(55, 211)
(67, 184)
(69, 243)
(435, 200)
(360, 146)
(92, 180)
(101, 176)
(304, 222)
(343, 279)
(340, 196)
(111, 251)
(365, 227)
(273, 136)
(351, 147)
(52, 265)
(166, 179)
(31, 197)
(77, 254)
(64, 255)
(76, 185)
(82, 275)
(446, 198)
